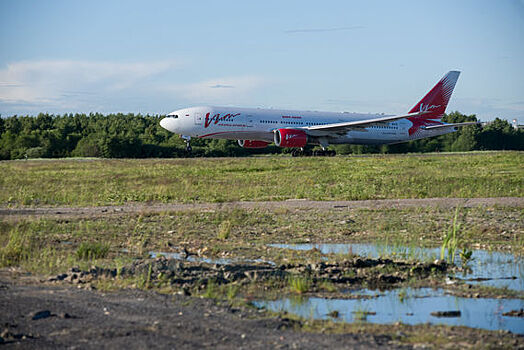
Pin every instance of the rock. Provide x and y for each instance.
(41, 315)
(452, 313)
(58, 277)
(514, 313)
(334, 314)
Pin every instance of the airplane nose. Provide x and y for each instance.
(168, 123)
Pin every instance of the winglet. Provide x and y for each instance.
(436, 100)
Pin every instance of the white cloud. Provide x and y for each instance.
(84, 86)
(48, 82)
(226, 90)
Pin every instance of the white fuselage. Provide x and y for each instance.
(259, 124)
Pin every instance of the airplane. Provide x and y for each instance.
(257, 128)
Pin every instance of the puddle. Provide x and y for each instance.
(192, 258)
(486, 268)
(409, 306)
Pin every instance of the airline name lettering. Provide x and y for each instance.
(425, 108)
(291, 136)
(217, 118)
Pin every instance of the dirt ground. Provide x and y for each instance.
(14, 213)
(37, 315)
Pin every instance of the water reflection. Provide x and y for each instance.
(409, 306)
(488, 268)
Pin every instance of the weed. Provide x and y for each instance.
(18, 247)
(212, 290)
(224, 230)
(232, 291)
(360, 313)
(328, 286)
(90, 250)
(402, 295)
(465, 256)
(451, 240)
(299, 284)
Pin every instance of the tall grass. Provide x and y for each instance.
(453, 241)
(17, 248)
(450, 242)
(90, 250)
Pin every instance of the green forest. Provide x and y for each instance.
(140, 136)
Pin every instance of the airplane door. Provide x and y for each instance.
(249, 120)
(198, 118)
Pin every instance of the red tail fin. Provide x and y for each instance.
(436, 101)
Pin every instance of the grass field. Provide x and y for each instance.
(93, 182)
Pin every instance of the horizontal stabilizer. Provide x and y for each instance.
(431, 127)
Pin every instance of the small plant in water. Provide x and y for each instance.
(299, 284)
(465, 256)
(360, 313)
(451, 240)
(402, 295)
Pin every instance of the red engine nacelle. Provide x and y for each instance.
(290, 138)
(252, 144)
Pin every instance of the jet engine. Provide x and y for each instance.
(290, 138)
(252, 144)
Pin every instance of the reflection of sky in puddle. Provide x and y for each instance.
(193, 258)
(409, 306)
(500, 268)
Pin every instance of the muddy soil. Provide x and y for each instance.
(189, 277)
(36, 315)
(102, 211)
(39, 314)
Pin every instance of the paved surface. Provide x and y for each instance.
(290, 204)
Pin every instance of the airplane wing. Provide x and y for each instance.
(431, 127)
(344, 127)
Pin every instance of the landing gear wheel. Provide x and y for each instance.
(296, 153)
(187, 139)
(331, 153)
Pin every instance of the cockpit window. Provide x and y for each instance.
(174, 115)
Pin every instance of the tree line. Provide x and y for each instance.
(140, 136)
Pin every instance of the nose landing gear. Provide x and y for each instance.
(187, 139)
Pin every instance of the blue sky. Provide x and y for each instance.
(358, 56)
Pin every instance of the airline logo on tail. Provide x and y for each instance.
(426, 108)
(434, 103)
(436, 100)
